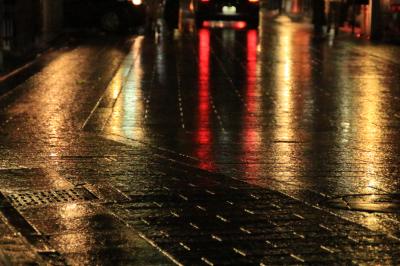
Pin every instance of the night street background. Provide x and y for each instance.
(212, 146)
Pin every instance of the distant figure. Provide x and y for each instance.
(171, 14)
(154, 14)
(318, 18)
(334, 17)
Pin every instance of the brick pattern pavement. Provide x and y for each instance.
(203, 218)
(194, 216)
(199, 217)
(14, 249)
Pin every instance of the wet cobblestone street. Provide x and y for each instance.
(217, 146)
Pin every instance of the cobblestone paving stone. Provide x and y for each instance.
(199, 217)
(308, 163)
(192, 215)
(14, 249)
(41, 221)
(203, 218)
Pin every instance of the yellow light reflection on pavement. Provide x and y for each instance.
(284, 107)
(361, 127)
(290, 110)
(69, 215)
(370, 124)
(127, 115)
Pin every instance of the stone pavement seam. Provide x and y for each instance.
(182, 160)
(172, 215)
(14, 248)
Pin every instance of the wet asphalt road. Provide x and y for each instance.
(138, 156)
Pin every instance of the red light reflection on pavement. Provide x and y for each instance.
(251, 134)
(252, 37)
(296, 6)
(203, 134)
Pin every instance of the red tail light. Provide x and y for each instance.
(254, 1)
(205, 1)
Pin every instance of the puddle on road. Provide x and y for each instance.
(386, 203)
(86, 233)
(68, 224)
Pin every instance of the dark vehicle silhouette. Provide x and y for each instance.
(110, 15)
(246, 10)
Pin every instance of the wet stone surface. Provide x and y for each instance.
(14, 248)
(89, 234)
(387, 203)
(27, 199)
(203, 147)
(206, 218)
(274, 108)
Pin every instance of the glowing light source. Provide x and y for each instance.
(206, 24)
(240, 25)
(136, 2)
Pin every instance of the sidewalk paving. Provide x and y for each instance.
(201, 217)
(192, 216)
(95, 197)
(14, 249)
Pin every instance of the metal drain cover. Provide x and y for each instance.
(367, 202)
(30, 199)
